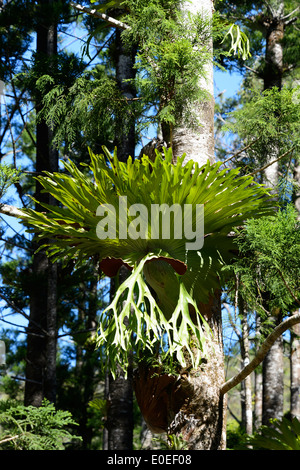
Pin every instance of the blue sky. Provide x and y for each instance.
(226, 81)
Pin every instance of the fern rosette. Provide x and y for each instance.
(157, 306)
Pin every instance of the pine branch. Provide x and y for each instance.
(102, 16)
(270, 340)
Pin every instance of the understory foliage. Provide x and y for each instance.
(34, 428)
(180, 277)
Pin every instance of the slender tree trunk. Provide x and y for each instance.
(295, 372)
(273, 382)
(257, 386)
(295, 332)
(296, 195)
(247, 418)
(42, 337)
(119, 423)
(201, 419)
(125, 124)
(86, 358)
(120, 391)
(273, 363)
(258, 398)
(274, 48)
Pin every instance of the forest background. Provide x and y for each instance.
(64, 92)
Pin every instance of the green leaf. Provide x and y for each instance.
(284, 435)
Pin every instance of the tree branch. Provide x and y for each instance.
(291, 13)
(12, 438)
(271, 163)
(11, 210)
(241, 151)
(102, 16)
(270, 340)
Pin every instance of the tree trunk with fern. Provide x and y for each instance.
(199, 413)
(42, 335)
(119, 425)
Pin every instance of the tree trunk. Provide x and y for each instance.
(274, 48)
(119, 425)
(258, 386)
(86, 358)
(198, 144)
(295, 372)
(125, 124)
(295, 331)
(273, 363)
(202, 419)
(119, 395)
(247, 421)
(258, 398)
(42, 337)
(273, 382)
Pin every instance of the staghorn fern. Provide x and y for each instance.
(282, 434)
(181, 278)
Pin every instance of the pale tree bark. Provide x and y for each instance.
(296, 195)
(295, 372)
(273, 363)
(257, 398)
(257, 386)
(198, 144)
(274, 25)
(247, 416)
(295, 331)
(273, 383)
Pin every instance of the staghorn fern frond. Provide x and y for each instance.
(181, 277)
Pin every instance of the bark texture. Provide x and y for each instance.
(189, 405)
(295, 372)
(198, 143)
(246, 395)
(119, 412)
(273, 383)
(119, 398)
(202, 419)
